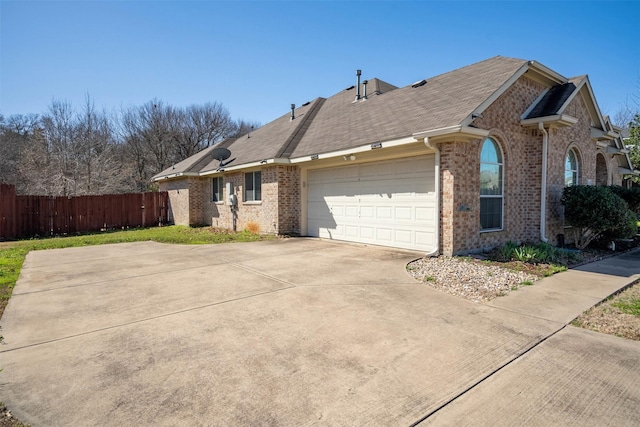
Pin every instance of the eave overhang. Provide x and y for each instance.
(615, 151)
(173, 175)
(250, 165)
(359, 149)
(457, 133)
(601, 135)
(557, 120)
(625, 171)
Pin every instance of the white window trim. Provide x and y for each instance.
(501, 196)
(213, 190)
(244, 190)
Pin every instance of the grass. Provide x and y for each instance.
(631, 306)
(618, 315)
(13, 254)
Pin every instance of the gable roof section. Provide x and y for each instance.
(445, 100)
(552, 105)
(390, 113)
(553, 101)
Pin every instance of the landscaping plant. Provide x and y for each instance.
(593, 211)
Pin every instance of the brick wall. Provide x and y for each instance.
(289, 200)
(178, 190)
(522, 149)
(602, 169)
(561, 140)
(460, 180)
(277, 213)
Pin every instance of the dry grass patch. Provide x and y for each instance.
(618, 315)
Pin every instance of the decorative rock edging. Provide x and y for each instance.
(469, 279)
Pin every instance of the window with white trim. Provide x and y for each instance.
(491, 186)
(571, 169)
(252, 186)
(218, 189)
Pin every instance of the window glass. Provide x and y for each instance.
(571, 169)
(253, 186)
(217, 189)
(491, 185)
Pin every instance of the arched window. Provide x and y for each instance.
(571, 169)
(491, 186)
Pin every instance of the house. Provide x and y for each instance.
(451, 164)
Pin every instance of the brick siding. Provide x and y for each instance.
(280, 210)
(191, 201)
(522, 149)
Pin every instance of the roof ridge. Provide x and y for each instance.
(493, 58)
(294, 139)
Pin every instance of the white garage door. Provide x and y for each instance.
(390, 203)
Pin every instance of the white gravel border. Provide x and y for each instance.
(467, 278)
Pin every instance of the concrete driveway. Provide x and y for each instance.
(283, 332)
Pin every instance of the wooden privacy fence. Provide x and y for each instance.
(29, 216)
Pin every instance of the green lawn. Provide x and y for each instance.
(12, 254)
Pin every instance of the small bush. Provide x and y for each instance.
(505, 253)
(533, 253)
(252, 227)
(548, 253)
(627, 229)
(592, 211)
(629, 195)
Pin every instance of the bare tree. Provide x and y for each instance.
(15, 134)
(95, 153)
(69, 152)
(149, 132)
(201, 126)
(243, 127)
(48, 166)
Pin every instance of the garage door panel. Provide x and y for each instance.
(404, 236)
(351, 211)
(425, 214)
(388, 203)
(384, 212)
(384, 235)
(367, 233)
(367, 212)
(425, 239)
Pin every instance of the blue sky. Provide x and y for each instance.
(258, 57)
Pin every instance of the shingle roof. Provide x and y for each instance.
(337, 123)
(556, 97)
(445, 100)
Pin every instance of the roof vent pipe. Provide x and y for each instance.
(293, 115)
(364, 84)
(358, 73)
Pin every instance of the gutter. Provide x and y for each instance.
(543, 189)
(173, 175)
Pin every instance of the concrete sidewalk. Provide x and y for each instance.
(564, 296)
(302, 332)
(573, 376)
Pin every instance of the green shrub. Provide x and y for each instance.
(593, 211)
(526, 254)
(629, 195)
(627, 229)
(505, 253)
(548, 252)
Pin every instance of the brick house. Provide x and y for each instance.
(451, 164)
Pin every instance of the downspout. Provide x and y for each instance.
(436, 251)
(543, 189)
